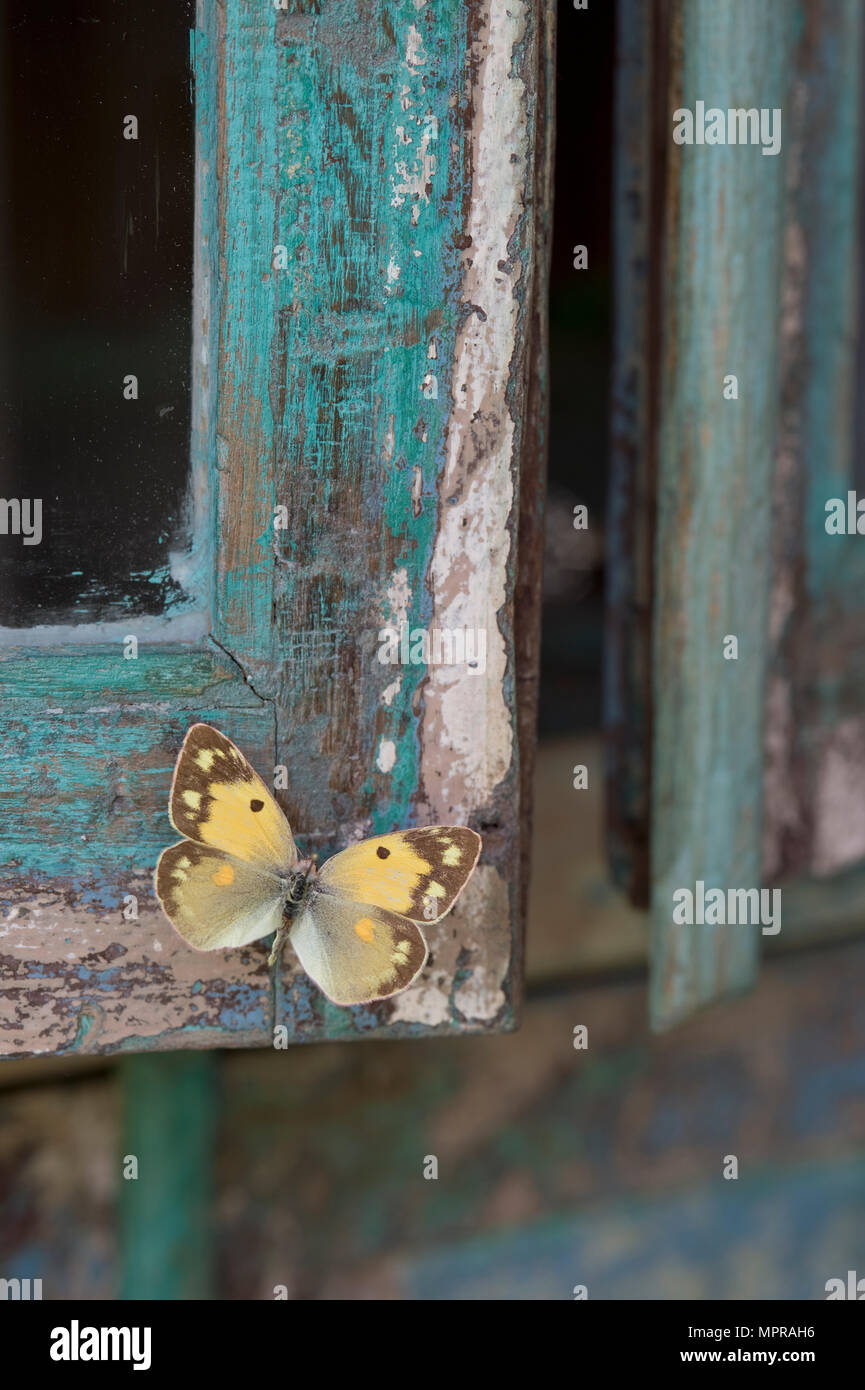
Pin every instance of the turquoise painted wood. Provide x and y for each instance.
(369, 267)
(726, 236)
(169, 1107)
(754, 766)
(378, 278)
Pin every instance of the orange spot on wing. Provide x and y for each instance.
(365, 929)
(223, 876)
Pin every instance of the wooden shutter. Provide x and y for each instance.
(747, 771)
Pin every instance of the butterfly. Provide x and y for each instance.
(237, 876)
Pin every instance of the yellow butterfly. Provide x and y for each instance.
(237, 877)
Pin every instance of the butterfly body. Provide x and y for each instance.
(298, 884)
(238, 877)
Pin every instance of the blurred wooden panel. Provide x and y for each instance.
(731, 262)
(815, 734)
(724, 237)
(639, 159)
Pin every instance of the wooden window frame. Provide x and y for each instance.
(309, 393)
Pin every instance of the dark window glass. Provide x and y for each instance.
(96, 268)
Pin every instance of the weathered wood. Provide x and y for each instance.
(535, 435)
(381, 389)
(89, 746)
(374, 387)
(166, 1217)
(725, 229)
(640, 157)
(815, 737)
(795, 405)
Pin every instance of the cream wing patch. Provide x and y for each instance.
(214, 900)
(356, 952)
(218, 799)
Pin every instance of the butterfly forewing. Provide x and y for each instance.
(416, 873)
(213, 899)
(218, 799)
(356, 952)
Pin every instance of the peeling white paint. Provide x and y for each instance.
(390, 692)
(484, 903)
(413, 175)
(386, 756)
(468, 740)
(415, 56)
(427, 1004)
(389, 438)
(417, 491)
(395, 611)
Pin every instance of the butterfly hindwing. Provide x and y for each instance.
(418, 874)
(215, 900)
(218, 799)
(356, 952)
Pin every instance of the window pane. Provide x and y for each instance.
(96, 264)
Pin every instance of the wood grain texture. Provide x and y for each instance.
(724, 227)
(373, 380)
(90, 742)
(377, 388)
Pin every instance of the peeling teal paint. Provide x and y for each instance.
(308, 393)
